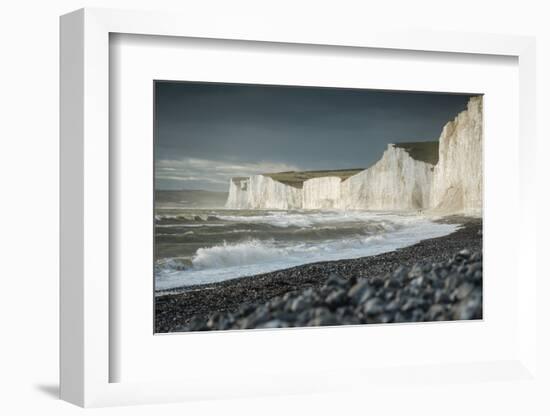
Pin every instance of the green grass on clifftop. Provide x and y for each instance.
(427, 152)
(296, 179)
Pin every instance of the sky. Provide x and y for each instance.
(206, 133)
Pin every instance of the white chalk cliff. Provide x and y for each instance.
(322, 193)
(458, 176)
(396, 182)
(262, 192)
(442, 177)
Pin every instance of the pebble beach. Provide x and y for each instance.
(436, 279)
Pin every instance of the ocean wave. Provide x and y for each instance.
(185, 234)
(180, 225)
(250, 252)
(185, 218)
(256, 252)
(240, 232)
(170, 265)
(285, 219)
(245, 258)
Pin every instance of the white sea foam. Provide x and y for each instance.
(188, 225)
(286, 219)
(239, 254)
(228, 261)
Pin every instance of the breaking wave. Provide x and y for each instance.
(250, 256)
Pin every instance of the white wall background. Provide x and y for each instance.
(29, 205)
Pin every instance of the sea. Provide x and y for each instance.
(196, 246)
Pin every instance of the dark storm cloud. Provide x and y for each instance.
(208, 132)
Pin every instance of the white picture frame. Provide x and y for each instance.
(86, 356)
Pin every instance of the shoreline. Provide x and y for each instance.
(174, 311)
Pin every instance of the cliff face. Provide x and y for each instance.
(458, 176)
(238, 193)
(322, 193)
(442, 177)
(396, 182)
(262, 192)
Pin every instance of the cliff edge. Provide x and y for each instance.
(441, 177)
(458, 176)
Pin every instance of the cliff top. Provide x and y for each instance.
(297, 179)
(427, 152)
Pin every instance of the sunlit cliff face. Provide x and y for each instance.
(397, 182)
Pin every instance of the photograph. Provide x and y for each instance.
(296, 206)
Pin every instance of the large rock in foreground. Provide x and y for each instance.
(443, 291)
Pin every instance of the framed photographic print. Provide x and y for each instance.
(266, 212)
(287, 206)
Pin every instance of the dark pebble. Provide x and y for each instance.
(425, 282)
